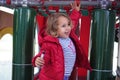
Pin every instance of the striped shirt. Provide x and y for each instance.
(69, 54)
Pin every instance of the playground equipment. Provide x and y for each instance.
(102, 37)
(103, 17)
(23, 39)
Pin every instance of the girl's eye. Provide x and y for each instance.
(69, 24)
(63, 25)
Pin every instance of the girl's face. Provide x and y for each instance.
(64, 27)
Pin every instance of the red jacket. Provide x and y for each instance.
(53, 68)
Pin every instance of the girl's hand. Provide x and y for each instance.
(39, 62)
(75, 6)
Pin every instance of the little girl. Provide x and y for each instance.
(61, 48)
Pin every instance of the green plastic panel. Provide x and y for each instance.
(23, 38)
(102, 44)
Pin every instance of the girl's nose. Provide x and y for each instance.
(68, 27)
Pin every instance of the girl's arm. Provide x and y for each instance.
(75, 15)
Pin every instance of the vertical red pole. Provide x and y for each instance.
(84, 40)
(8, 2)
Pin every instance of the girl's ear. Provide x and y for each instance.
(56, 34)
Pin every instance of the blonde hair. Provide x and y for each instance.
(52, 23)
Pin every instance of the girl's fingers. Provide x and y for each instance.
(39, 62)
(76, 6)
(72, 5)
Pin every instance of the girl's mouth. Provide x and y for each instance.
(67, 33)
